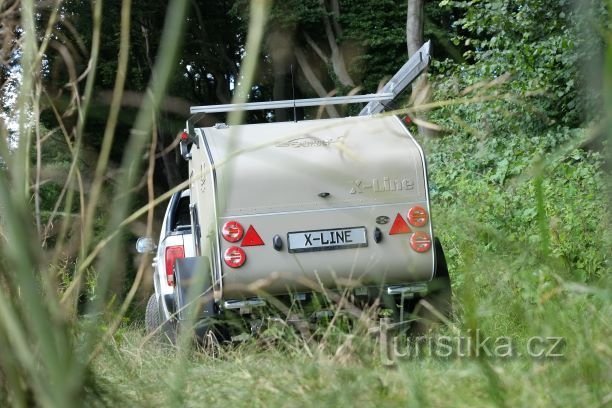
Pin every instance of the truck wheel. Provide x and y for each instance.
(153, 319)
(439, 297)
(189, 272)
(152, 316)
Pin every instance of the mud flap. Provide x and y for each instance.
(194, 294)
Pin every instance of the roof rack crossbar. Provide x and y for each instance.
(299, 103)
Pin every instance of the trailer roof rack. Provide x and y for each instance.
(376, 103)
(290, 103)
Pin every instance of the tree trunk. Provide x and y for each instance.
(280, 47)
(414, 26)
(414, 41)
(337, 58)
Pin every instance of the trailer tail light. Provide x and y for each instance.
(232, 231)
(172, 254)
(420, 241)
(234, 257)
(417, 216)
(252, 238)
(399, 226)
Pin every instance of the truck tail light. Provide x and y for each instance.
(172, 254)
(252, 238)
(420, 241)
(232, 231)
(417, 216)
(399, 226)
(234, 257)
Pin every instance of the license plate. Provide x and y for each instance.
(323, 240)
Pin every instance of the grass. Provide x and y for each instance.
(569, 320)
(251, 374)
(558, 329)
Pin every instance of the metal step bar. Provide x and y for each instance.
(241, 304)
(408, 289)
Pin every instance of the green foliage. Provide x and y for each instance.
(380, 37)
(497, 190)
(511, 164)
(547, 47)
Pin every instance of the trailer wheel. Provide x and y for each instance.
(438, 297)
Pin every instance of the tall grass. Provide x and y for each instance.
(505, 288)
(47, 353)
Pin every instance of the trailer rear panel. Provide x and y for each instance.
(330, 191)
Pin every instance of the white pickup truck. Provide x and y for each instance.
(175, 242)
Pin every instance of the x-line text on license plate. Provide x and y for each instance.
(322, 240)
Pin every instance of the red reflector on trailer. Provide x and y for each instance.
(252, 238)
(232, 231)
(420, 241)
(400, 226)
(417, 216)
(234, 257)
(184, 136)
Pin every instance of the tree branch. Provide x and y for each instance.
(316, 48)
(337, 59)
(313, 80)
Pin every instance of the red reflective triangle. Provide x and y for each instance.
(251, 238)
(400, 226)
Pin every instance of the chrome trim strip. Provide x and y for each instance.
(218, 277)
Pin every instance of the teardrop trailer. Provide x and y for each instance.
(283, 211)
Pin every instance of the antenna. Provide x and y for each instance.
(293, 95)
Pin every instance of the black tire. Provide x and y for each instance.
(154, 319)
(152, 315)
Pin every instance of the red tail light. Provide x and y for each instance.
(417, 216)
(399, 226)
(172, 254)
(234, 257)
(252, 238)
(232, 231)
(420, 241)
